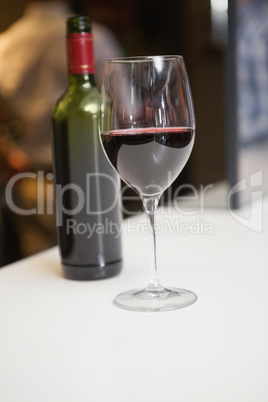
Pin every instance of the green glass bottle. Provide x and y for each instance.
(86, 186)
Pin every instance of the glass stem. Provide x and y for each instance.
(150, 206)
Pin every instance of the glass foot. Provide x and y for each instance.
(160, 299)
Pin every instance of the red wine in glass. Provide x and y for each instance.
(139, 155)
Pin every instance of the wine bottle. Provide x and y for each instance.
(86, 186)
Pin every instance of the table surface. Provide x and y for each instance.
(65, 341)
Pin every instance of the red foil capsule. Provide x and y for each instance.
(80, 53)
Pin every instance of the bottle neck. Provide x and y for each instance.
(84, 80)
(80, 57)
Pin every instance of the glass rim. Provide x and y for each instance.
(137, 59)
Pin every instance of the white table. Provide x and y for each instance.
(64, 341)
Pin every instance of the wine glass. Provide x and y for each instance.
(147, 129)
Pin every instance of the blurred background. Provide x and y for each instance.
(149, 27)
(196, 29)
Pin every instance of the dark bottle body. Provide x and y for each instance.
(86, 186)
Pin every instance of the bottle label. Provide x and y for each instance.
(80, 53)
